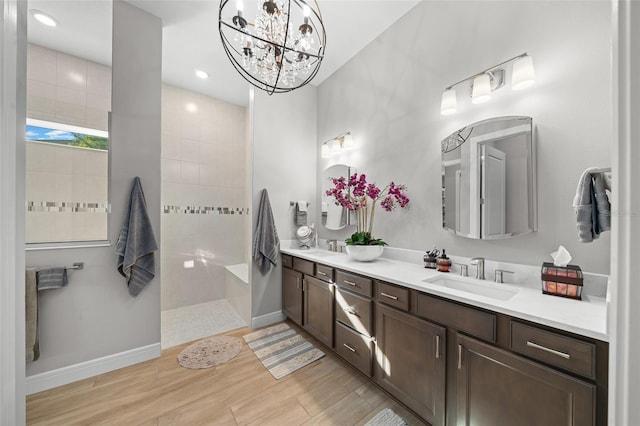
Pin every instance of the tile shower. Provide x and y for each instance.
(204, 204)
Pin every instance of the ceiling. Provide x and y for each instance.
(191, 39)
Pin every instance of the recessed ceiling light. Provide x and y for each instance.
(202, 74)
(43, 18)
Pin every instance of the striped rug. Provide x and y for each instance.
(281, 350)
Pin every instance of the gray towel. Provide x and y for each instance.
(136, 243)
(49, 278)
(603, 207)
(583, 208)
(32, 348)
(301, 217)
(266, 244)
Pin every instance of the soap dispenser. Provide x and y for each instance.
(444, 263)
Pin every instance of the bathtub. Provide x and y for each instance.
(237, 289)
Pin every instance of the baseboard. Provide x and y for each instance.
(62, 376)
(267, 319)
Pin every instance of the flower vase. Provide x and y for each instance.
(362, 253)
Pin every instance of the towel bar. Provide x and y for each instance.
(76, 265)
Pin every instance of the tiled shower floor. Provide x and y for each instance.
(193, 322)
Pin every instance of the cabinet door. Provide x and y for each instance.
(292, 294)
(410, 362)
(318, 309)
(495, 388)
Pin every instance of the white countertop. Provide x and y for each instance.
(586, 317)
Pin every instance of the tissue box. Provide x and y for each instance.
(563, 281)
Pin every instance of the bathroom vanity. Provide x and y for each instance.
(490, 354)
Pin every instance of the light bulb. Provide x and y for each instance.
(449, 104)
(523, 74)
(325, 152)
(202, 74)
(239, 5)
(347, 141)
(481, 89)
(306, 11)
(43, 18)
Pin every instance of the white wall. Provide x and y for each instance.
(624, 317)
(203, 170)
(95, 316)
(13, 49)
(389, 95)
(284, 150)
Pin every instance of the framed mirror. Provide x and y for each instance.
(334, 217)
(489, 179)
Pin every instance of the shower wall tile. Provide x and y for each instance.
(207, 136)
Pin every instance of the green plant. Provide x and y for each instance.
(364, 239)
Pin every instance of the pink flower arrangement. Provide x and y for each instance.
(355, 194)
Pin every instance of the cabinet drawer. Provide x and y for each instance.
(565, 352)
(287, 261)
(303, 266)
(469, 320)
(354, 311)
(354, 348)
(355, 283)
(392, 295)
(324, 272)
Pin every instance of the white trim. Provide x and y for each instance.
(267, 319)
(62, 376)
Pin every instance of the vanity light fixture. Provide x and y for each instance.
(43, 18)
(489, 80)
(278, 46)
(336, 145)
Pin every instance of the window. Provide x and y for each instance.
(67, 183)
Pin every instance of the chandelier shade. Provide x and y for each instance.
(279, 47)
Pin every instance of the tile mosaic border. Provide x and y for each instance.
(64, 206)
(204, 210)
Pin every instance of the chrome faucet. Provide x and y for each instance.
(478, 262)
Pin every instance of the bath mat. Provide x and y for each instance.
(281, 350)
(210, 352)
(386, 417)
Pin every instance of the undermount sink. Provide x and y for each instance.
(468, 285)
(318, 252)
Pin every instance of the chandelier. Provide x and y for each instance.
(281, 49)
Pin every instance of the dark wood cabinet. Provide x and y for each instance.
(292, 294)
(495, 387)
(318, 309)
(411, 362)
(450, 362)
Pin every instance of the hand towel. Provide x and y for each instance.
(301, 213)
(136, 243)
(32, 348)
(50, 278)
(583, 207)
(266, 244)
(325, 213)
(602, 205)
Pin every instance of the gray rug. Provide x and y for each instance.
(281, 350)
(386, 417)
(210, 352)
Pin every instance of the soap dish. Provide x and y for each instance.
(563, 281)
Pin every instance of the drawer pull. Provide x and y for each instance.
(459, 357)
(349, 282)
(382, 293)
(552, 351)
(297, 283)
(351, 311)
(352, 349)
(324, 274)
(437, 346)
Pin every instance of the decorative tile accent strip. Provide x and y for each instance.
(64, 206)
(204, 210)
